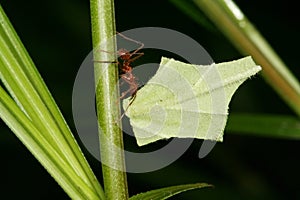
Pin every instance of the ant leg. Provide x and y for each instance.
(131, 89)
(136, 57)
(132, 40)
(121, 83)
(97, 61)
(125, 93)
(131, 101)
(110, 52)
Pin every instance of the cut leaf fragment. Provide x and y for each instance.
(186, 101)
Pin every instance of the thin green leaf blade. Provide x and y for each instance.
(263, 125)
(165, 193)
(44, 152)
(26, 86)
(234, 24)
(194, 13)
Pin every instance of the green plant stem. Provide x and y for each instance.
(233, 23)
(107, 97)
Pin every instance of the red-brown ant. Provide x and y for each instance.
(126, 69)
(127, 76)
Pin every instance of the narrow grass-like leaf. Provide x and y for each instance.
(226, 15)
(30, 136)
(194, 13)
(165, 193)
(240, 31)
(273, 126)
(26, 86)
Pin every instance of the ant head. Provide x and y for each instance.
(123, 53)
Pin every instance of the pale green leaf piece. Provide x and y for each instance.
(165, 193)
(186, 101)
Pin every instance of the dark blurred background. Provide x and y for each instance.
(57, 36)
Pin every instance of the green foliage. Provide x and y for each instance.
(36, 120)
(232, 22)
(263, 125)
(165, 193)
